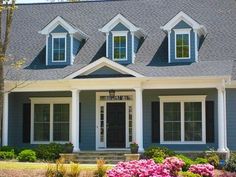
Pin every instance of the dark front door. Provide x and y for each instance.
(115, 125)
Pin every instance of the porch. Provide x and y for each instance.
(94, 114)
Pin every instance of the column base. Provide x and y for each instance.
(222, 150)
(76, 150)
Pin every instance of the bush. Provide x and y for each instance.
(27, 156)
(49, 152)
(187, 162)
(188, 174)
(144, 168)
(200, 161)
(101, 168)
(205, 170)
(231, 163)
(173, 164)
(7, 148)
(213, 159)
(158, 159)
(158, 152)
(6, 155)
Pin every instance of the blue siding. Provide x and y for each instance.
(231, 118)
(153, 95)
(76, 46)
(88, 120)
(105, 71)
(121, 27)
(59, 29)
(182, 25)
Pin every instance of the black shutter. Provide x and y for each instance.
(155, 122)
(80, 122)
(210, 122)
(26, 122)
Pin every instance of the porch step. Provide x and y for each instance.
(111, 157)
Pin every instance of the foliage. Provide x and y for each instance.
(187, 174)
(205, 170)
(161, 152)
(7, 155)
(158, 159)
(173, 164)
(212, 158)
(187, 161)
(133, 145)
(231, 163)
(27, 156)
(144, 168)
(7, 148)
(74, 170)
(200, 160)
(49, 152)
(101, 168)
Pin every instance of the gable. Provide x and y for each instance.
(181, 25)
(59, 29)
(120, 27)
(105, 71)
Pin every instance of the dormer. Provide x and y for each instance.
(63, 42)
(184, 34)
(122, 39)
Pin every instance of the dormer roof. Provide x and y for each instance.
(121, 19)
(60, 21)
(181, 16)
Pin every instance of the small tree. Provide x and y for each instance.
(6, 17)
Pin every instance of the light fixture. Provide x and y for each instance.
(112, 93)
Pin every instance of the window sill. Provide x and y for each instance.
(183, 143)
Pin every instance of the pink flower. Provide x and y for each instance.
(205, 170)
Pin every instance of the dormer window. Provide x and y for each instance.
(119, 46)
(182, 44)
(59, 48)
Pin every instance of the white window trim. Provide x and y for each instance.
(55, 36)
(120, 33)
(50, 101)
(183, 31)
(182, 100)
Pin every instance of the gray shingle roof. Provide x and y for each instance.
(216, 56)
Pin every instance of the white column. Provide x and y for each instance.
(133, 53)
(71, 49)
(221, 121)
(5, 121)
(139, 118)
(225, 120)
(169, 46)
(75, 120)
(47, 36)
(107, 45)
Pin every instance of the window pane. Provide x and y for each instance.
(182, 46)
(172, 122)
(62, 43)
(61, 119)
(41, 122)
(56, 43)
(193, 121)
(119, 47)
(59, 49)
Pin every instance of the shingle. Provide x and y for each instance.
(216, 56)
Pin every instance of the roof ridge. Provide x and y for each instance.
(66, 2)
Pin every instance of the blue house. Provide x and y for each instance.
(103, 74)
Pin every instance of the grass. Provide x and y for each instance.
(40, 166)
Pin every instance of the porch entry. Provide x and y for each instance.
(114, 120)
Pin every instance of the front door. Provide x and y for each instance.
(115, 125)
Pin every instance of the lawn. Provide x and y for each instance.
(20, 169)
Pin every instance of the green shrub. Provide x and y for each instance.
(27, 156)
(188, 162)
(158, 152)
(200, 161)
(101, 168)
(6, 155)
(231, 163)
(7, 148)
(49, 152)
(213, 158)
(158, 159)
(188, 174)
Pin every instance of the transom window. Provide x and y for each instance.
(182, 119)
(182, 44)
(50, 120)
(59, 48)
(120, 46)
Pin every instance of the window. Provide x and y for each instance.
(182, 119)
(182, 44)
(50, 119)
(59, 48)
(119, 46)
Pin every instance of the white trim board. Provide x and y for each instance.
(181, 16)
(60, 21)
(100, 63)
(182, 100)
